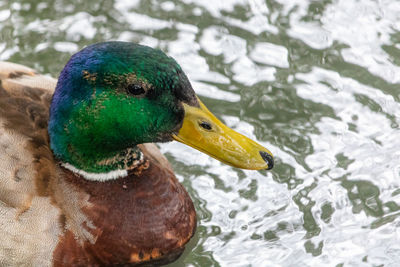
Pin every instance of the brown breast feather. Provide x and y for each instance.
(141, 218)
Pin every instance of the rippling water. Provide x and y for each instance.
(317, 82)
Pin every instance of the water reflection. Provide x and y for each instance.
(315, 81)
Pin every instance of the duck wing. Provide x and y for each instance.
(28, 219)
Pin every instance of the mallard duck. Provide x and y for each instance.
(80, 182)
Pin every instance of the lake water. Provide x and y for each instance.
(316, 82)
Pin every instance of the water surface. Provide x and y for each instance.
(316, 82)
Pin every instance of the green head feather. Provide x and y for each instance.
(112, 96)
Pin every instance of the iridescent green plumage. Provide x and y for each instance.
(95, 117)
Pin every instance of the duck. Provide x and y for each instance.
(81, 181)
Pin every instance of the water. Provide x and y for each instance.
(316, 82)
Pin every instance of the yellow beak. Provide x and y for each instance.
(203, 131)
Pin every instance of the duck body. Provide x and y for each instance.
(51, 216)
(79, 183)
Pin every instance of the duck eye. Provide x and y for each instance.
(135, 89)
(205, 125)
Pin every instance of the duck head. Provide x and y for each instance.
(113, 96)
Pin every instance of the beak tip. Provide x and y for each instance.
(268, 159)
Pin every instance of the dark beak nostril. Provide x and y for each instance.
(268, 159)
(205, 125)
